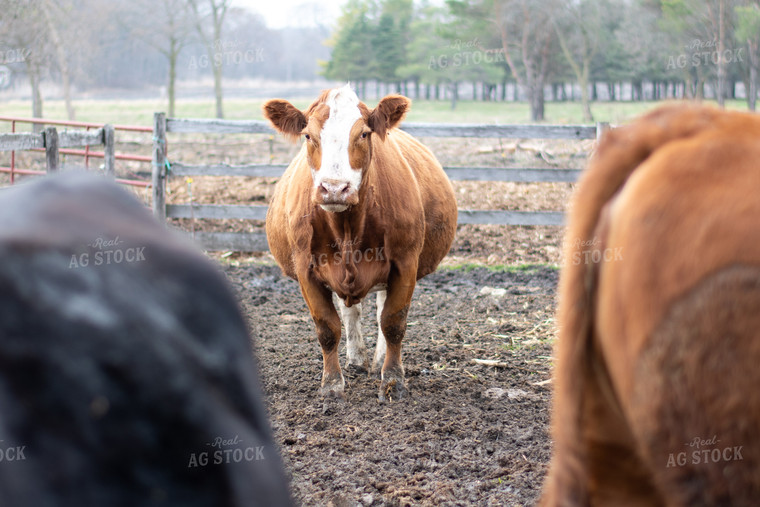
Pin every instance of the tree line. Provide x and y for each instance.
(491, 50)
(534, 49)
(96, 45)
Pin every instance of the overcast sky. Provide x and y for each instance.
(282, 13)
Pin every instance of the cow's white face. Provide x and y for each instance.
(343, 143)
(337, 130)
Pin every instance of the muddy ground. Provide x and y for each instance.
(469, 434)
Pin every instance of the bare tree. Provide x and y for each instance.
(209, 20)
(167, 26)
(22, 28)
(717, 15)
(50, 10)
(748, 30)
(708, 24)
(578, 26)
(527, 42)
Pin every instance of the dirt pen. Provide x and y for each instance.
(479, 341)
(478, 348)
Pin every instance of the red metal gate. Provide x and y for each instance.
(86, 153)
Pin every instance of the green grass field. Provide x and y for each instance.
(140, 112)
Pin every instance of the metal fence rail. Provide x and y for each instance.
(104, 134)
(51, 141)
(257, 241)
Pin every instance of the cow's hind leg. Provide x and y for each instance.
(377, 361)
(356, 349)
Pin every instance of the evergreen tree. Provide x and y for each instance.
(388, 49)
(352, 56)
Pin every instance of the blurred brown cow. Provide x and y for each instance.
(658, 357)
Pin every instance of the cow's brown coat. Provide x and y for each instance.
(403, 222)
(662, 346)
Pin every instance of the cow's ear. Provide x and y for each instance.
(388, 114)
(285, 118)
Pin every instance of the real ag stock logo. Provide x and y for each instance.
(589, 251)
(345, 252)
(10, 453)
(704, 452)
(226, 53)
(702, 53)
(104, 252)
(225, 451)
(14, 56)
(463, 54)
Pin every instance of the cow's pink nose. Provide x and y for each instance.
(333, 190)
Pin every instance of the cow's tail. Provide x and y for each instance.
(619, 153)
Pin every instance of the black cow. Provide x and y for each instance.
(126, 370)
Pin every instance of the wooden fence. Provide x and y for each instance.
(52, 141)
(214, 241)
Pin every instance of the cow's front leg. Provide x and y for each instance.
(393, 325)
(327, 322)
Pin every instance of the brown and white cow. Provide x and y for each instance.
(363, 207)
(658, 356)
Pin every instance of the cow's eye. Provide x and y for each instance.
(307, 136)
(364, 135)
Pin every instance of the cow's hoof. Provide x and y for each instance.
(333, 387)
(392, 389)
(333, 394)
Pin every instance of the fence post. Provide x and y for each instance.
(109, 155)
(159, 166)
(601, 128)
(51, 149)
